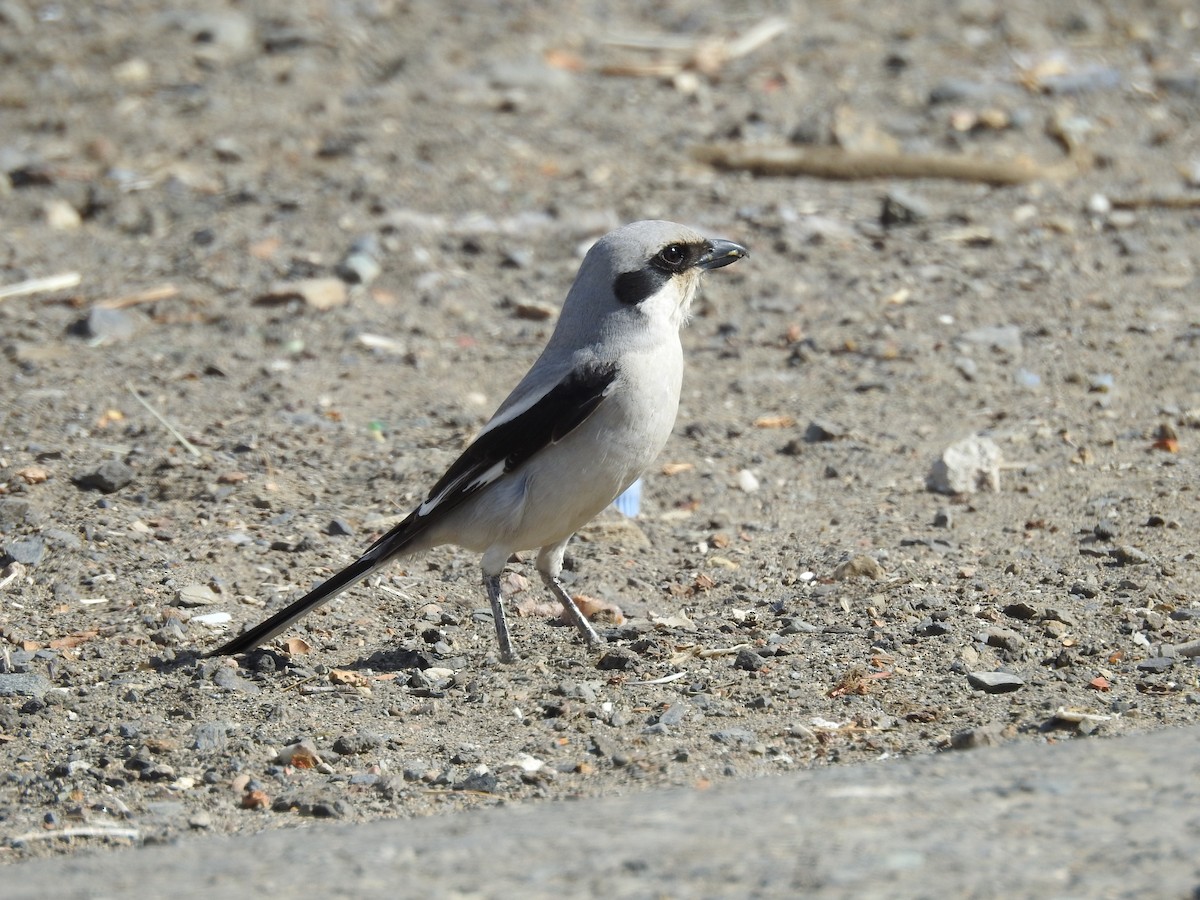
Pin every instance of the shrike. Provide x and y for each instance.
(582, 425)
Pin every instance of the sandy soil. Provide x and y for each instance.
(793, 594)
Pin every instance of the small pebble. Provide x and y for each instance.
(108, 477)
(929, 627)
(747, 481)
(209, 737)
(1128, 556)
(355, 744)
(1083, 80)
(615, 660)
(995, 682)
(748, 661)
(735, 737)
(482, 782)
(984, 736)
(901, 207)
(1099, 205)
(820, 430)
(28, 552)
(61, 215)
(214, 618)
(535, 310)
(998, 337)
(24, 685)
(966, 466)
(228, 150)
(674, 714)
(1005, 639)
(1156, 664)
(1054, 629)
(861, 566)
(317, 293)
(107, 324)
(963, 90)
(196, 595)
(1026, 379)
(518, 258)
(217, 36)
(358, 268)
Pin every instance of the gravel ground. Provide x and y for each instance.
(1081, 820)
(307, 249)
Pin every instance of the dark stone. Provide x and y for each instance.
(1156, 664)
(673, 714)
(1020, 611)
(23, 685)
(735, 737)
(28, 552)
(903, 208)
(108, 477)
(354, 744)
(930, 628)
(615, 660)
(484, 782)
(748, 660)
(995, 682)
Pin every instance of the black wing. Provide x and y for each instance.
(506, 446)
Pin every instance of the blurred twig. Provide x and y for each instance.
(707, 55)
(184, 442)
(58, 282)
(840, 164)
(150, 295)
(1157, 201)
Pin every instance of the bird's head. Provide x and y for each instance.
(644, 274)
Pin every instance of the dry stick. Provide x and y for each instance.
(58, 282)
(1191, 648)
(187, 445)
(17, 571)
(707, 55)
(751, 39)
(836, 163)
(150, 295)
(1158, 201)
(674, 676)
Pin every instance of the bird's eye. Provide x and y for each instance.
(672, 256)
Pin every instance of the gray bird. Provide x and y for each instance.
(582, 425)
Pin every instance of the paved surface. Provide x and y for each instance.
(1087, 819)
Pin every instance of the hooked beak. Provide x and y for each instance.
(721, 253)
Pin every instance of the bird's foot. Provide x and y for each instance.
(578, 619)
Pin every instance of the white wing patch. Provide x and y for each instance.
(483, 479)
(486, 478)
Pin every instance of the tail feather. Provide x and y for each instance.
(392, 544)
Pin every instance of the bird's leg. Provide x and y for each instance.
(549, 565)
(578, 619)
(496, 598)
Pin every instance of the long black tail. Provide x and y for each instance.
(378, 554)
